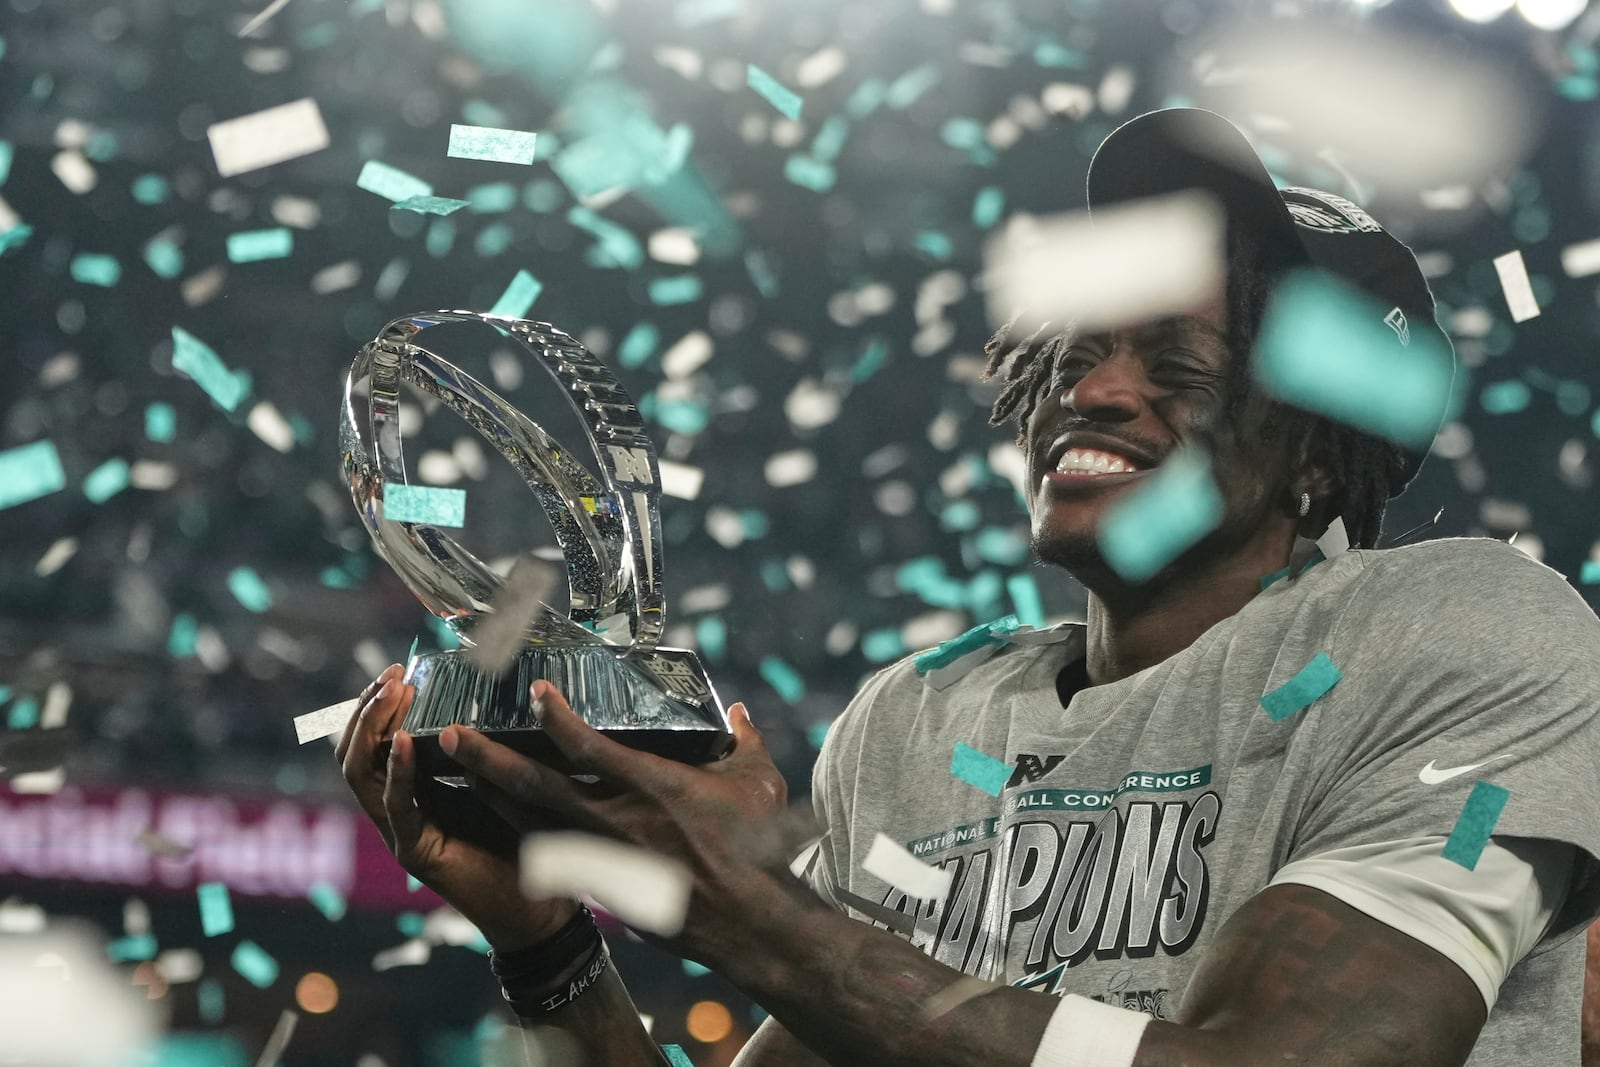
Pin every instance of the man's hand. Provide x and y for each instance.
(479, 876)
(719, 820)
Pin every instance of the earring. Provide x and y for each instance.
(1305, 504)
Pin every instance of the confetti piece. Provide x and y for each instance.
(254, 245)
(159, 845)
(493, 145)
(212, 1001)
(5, 161)
(1582, 259)
(163, 258)
(783, 678)
(893, 864)
(412, 953)
(987, 206)
(1590, 574)
(809, 173)
(425, 504)
(14, 237)
(1475, 825)
(95, 269)
(328, 900)
(29, 472)
(676, 1057)
(195, 358)
(1308, 684)
(324, 722)
(989, 633)
(695, 970)
(878, 913)
(640, 888)
(1517, 288)
(518, 297)
(261, 17)
(500, 635)
(979, 769)
(106, 480)
(1024, 593)
(773, 92)
(282, 1033)
(954, 995)
(1153, 524)
(391, 183)
(131, 948)
(24, 714)
(682, 289)
(430, 205)
(249, 590)
(680, 480)
(216, 908)
(1325, 348)
(253, 962)
(263, 138)
(1129, 263)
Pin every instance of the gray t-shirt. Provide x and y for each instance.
(1141, 816)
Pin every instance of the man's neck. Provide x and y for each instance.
(1134, 628)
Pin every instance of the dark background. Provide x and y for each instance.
(793, 594)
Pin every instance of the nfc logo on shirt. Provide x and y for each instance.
(1031, 768)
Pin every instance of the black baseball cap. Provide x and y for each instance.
(1175, 149)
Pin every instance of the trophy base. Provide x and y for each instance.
(659, 702)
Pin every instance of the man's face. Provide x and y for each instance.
(1119, 404)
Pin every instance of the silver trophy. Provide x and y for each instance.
(602, 654)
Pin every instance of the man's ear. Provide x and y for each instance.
(1318, 473)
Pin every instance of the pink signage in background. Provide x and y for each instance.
(264, 848)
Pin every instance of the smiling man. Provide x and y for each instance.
(1249, 810)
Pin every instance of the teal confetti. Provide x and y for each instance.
(94, 269)
(492, 145)
(391, 183)
(131, 948)
(150, 189)
(1000, 545)
(212, 1001)
(695, 970)
(491, 198)
(29, 472)
(640, 344)
(829, 140)
(518, 297)
(1473, 828)
(987, 206)
(425, 504)
(817, 733)
(809, 173)
(681, 289)
(1590, 574)
(328, 900)
(106, 480)
(909, 87)
(411, 923)
(164, 258)
(783, 678)
(15, 237)
(248, 589)
(24, 714)
(412, 654)
(1025, 599)
(160, 422)
(1309, 683)
(867, 98)
(254, 245)
(935, 244)
(1505, 398)
(988, 633)
(182, 637)
(774, 92)
(1150, 526)
(711, 636)
(676, 1057)
(216, 908)
(253, 962)
(881, 646)
(5, 161)
(412, 885)
(618, 247)
(871, 360)
(429, 205)
(195, 358)
(980, 769)
(1325, 348)
(759, 266)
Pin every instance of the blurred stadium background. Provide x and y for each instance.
(798, 304)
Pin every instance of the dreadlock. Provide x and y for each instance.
(1364, 467)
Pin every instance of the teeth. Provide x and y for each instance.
(1090, 461)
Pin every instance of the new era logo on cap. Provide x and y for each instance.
(1396, 321)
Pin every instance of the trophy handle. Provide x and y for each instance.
(608, 531)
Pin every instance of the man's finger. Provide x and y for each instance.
(588, 750)
(361, 702)
(399, 800)
(747, 739)
(524, 781)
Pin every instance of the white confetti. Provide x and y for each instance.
(324, 722)
(56, 556)
(152, 474)
(680, 479)
(497, 639)
(62, 1003)
(1516, 286)
(687, 355)
(272, 1051)
(263, 138)
(1130, 263)
(260, 20)
(413, 953)
(1582, 259)
(892, 863)
(675, 245)
(268, 423)
(40, 782)
(642, 889)
(795, 467)
(336, 277)
(75, 172)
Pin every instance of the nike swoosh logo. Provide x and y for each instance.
(1430, 776)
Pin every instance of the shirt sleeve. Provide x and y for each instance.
(1484, 920)
(1462, 660)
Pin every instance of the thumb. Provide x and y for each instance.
(745, 734)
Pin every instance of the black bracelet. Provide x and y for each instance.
(530, 1001)
(546, 961)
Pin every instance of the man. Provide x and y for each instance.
(1200, 868)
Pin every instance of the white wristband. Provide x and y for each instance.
(1087, 1033)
